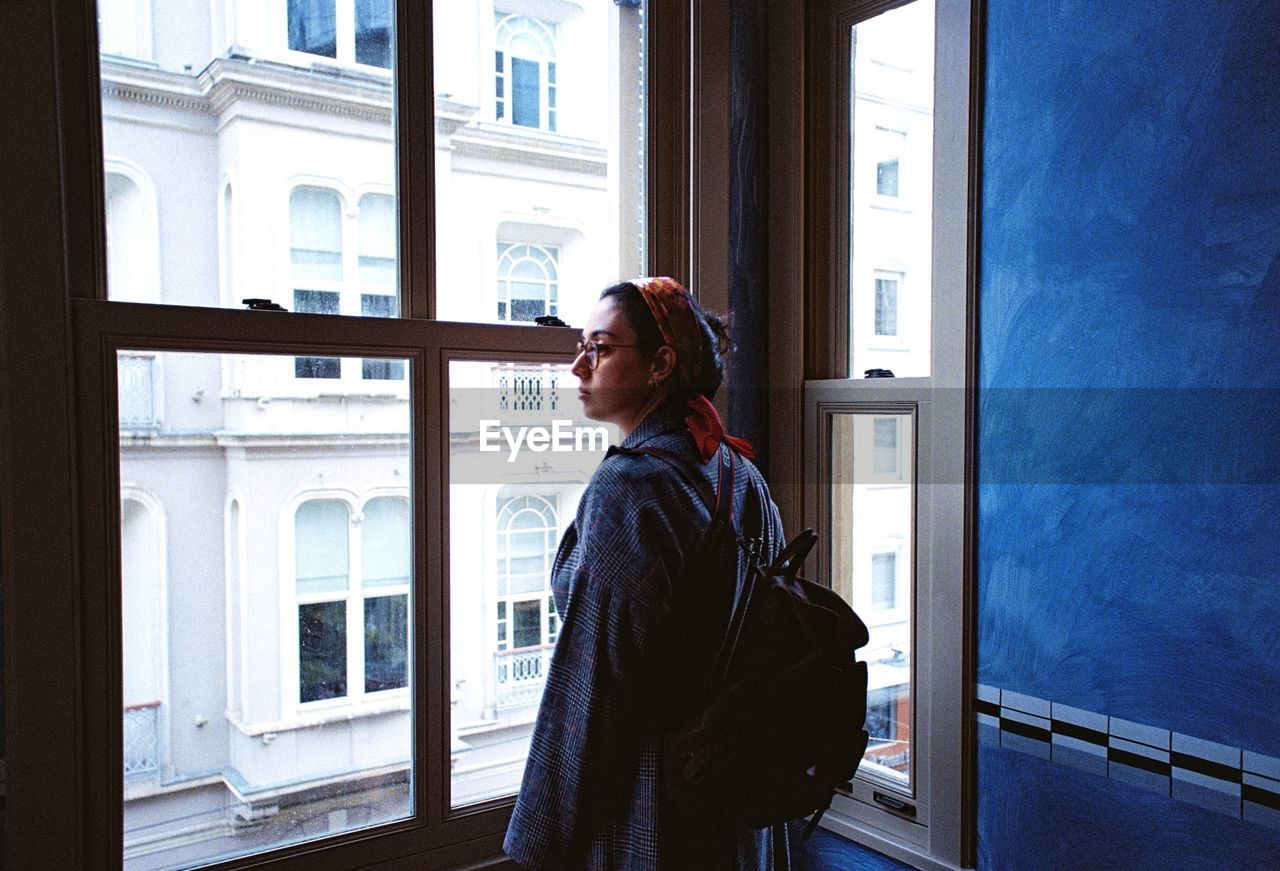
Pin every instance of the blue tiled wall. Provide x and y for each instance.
(1129, 498)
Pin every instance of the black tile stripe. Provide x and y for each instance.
(1093, 736)
(1258, 795)
(991, 708)
(1026, 730)
(1204, 766)
(1135, 760)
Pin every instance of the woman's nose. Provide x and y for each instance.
(580, 367)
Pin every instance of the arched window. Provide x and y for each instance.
(528, 529)
(528, 281)
(144, 632)
(525, 72)
(315, 242)
(377, 274)
(352, 575)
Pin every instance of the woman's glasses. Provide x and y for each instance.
(592, 350)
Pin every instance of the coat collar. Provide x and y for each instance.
(659, 422)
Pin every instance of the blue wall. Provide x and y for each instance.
(1129, 498)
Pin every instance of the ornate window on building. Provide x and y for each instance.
(528, 281)
(527, 622)
(525, 72)
(352, 587)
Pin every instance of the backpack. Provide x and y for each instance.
(775, 723)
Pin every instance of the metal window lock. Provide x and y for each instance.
(878, 373)
(549, 321)
(256, 304)
(894, 804)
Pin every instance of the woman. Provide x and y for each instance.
(650, 361)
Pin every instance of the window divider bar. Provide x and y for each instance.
(415, 154)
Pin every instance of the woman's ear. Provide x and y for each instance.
(664, 363)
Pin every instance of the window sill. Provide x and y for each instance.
(309, 719)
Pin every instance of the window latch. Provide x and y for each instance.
(878, 373)
(256, 304)
(549, 321)
(894, 804)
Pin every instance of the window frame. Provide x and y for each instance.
(64, 468)
(943, 598)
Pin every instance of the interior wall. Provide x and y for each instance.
(1129, 498)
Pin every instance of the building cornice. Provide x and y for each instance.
(232, 80)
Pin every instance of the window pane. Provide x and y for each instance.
(526, 93)
(322, 650)
(386, 548)
(386, 643)
(260, 611)
(508, 508)
(891, 191)
(872, 558)
(527, 629)
(541, 144)
(313, 27)
(373, 32)
(257, 158)
(321, 542)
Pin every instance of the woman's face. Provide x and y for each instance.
(620, 389)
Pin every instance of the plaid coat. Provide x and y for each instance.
(591, 797)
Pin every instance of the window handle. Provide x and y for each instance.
(894, 804)
(257, 304)
(878, 373)
(549, 321)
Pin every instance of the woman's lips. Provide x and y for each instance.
(583, 394)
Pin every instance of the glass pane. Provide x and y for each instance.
(374, 26)
(386, 643)
(386, 549)
(520, 455)
(265, 571)
(891, 191)
(227, 173)
(540, 145)
(872, 560)
(320, 535)
(322, 650)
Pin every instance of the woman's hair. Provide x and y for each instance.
(715, 341)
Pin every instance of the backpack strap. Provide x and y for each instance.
(720, 501)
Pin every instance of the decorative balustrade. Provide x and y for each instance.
(141, 738)
(520, 675)
(528, 394)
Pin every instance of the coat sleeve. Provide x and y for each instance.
(586, 771)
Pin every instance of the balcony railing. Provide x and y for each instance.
(527, 393)
(141, 738)
(521, 674)
(137, 391)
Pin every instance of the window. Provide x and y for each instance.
(890, 90)
(890, 146)
(343, 730)
(525, 72)
(350, 31)
(528, 281)
(352, 615)
(528, 532)
(379, 296)
(318, 262)
(885, 446)
(884, 580)
(124, 28)
(887, 285)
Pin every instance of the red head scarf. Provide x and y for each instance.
(673, 309)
